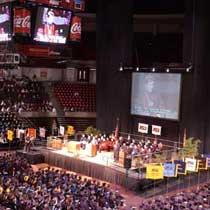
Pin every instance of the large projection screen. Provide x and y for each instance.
(156, 95)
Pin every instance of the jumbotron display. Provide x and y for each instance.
(52, 25)
(156, 95)
(5, 23)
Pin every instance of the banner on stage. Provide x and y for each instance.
(19, 132)
(170, 169)
(10, 135)
(32, 132)
(203, 163)
(181, 165)
(154, 171)
(208, 159)
(143, 128)
(191, 164)
(70, 130)
(42, 132)
(62, 130)
(156, 130)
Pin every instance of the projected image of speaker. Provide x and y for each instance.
(127, 163)
(156, 95)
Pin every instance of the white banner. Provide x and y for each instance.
(19, 132)
(62, 130)
(143, 128)
(156, 130)
(191, 164)
(42, 132)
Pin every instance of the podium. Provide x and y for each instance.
(73, 146)
(122, 156)
(91, 150)
(57, 144)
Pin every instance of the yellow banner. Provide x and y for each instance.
(154, 172)
(70, 130)
(10, 135)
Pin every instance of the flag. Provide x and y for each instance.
(116, 133)
(154, 171)
(184, 137)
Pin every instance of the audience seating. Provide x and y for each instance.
(76, 97)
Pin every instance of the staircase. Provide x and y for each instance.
(59, 109)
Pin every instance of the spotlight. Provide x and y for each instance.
(121, 68)
(167, 70)
(188, 69)
(153, 69)
(137, 68)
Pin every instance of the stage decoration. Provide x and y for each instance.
(203, 163)
(32, 132)
(91, 130)
(70, 130)
(190, 149)
(191, 164)
(156, 130)
(154, 171)
(62, 130)
(170, 169)
(181, 167)
(10, 135)
(208, 159)
(42, 132)
(143, 128)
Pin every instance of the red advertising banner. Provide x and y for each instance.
(40, 1)
(68, 4)
(75, 33)
(22, 21)
(43, 74)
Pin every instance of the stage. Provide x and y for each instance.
(100, 167)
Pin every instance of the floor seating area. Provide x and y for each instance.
(76, 97)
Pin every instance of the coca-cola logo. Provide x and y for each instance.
(76, 28)
(23, 22)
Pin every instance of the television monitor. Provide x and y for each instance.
(5, 23)
(156, 95)
(52, 25)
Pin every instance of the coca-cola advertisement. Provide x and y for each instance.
(75, 33)
(22, 21)
(5, 23)
(68, 4)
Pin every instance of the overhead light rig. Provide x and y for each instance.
(157, 69)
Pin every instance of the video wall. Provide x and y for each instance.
(41, 22)
(156, 95)
(5, 23)
(52, 25)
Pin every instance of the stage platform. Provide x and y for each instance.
(100, 167)
(34, 156)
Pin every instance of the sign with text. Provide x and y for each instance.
(22, 21)
(10, 135)
(32, 132)
(156, 130)
(170, 170)
(62, 130)
(154, 171)
(75, 32)
(143, 128)
(191, 164)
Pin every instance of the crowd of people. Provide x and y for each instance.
(198, 199)
(144, 148)
(51, 189)
(24, 94)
